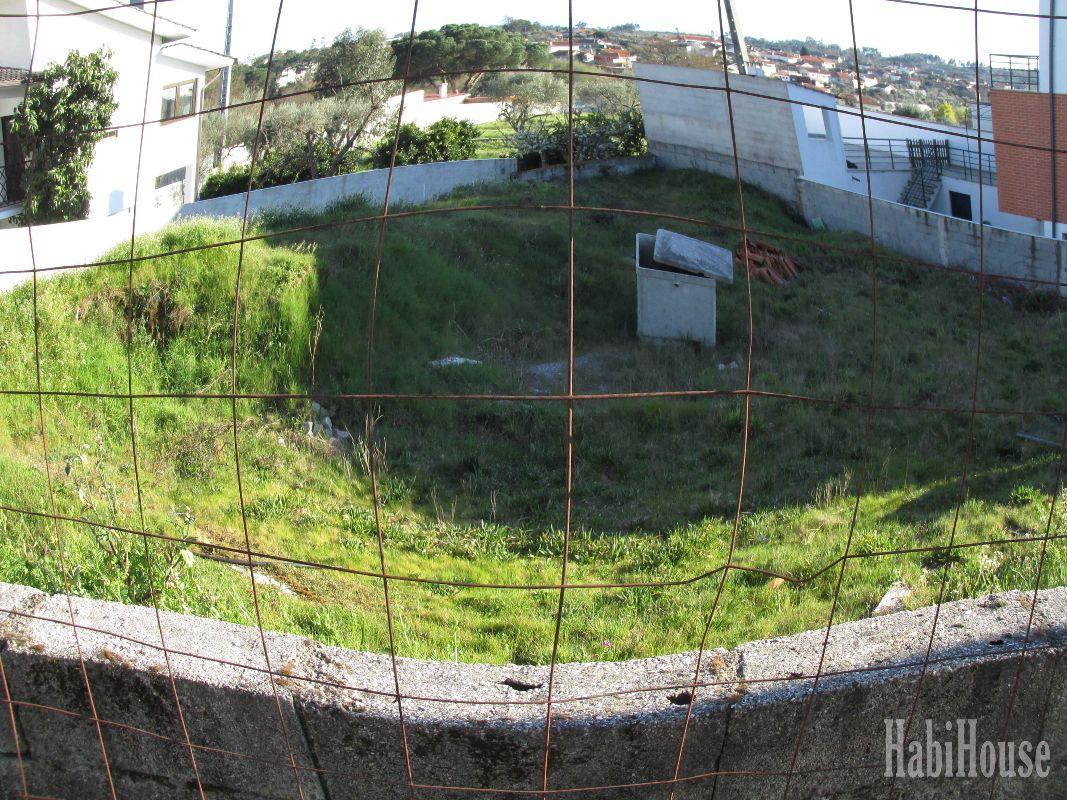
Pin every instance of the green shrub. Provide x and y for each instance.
(220, 183)
(445, 140)
(597, 136)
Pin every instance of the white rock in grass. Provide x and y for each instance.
(893, 601)
(316, 407)
(454, 361)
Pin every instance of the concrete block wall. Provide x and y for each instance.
(688, 106)
(939, 239)
(333, 729)
(780, 181)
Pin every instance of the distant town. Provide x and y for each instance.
(920, 85)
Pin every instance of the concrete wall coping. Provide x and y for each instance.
(622, 717)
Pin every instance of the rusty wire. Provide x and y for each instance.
(570, 398)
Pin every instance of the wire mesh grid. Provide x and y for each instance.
(714, 578)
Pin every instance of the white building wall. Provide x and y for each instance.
(985, 206)
(424, 111)
(1053, 69)
(15, 33)
(140, 66)
(820, 145)
(886, 126)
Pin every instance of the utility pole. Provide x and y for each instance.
(225, 95)
(738, 39)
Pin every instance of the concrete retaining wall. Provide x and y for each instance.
(687, 123)
(936, 238)
(591, 169)
(412, 185)
(337, 715)
(780, 181)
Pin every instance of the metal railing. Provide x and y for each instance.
(1021, 73)
(894, 155)
(10, 186)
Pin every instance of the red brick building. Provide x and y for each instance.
(1021, 125)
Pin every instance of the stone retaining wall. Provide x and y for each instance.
(335, 716)
(939, 239)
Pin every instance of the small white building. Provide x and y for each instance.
(167, 64)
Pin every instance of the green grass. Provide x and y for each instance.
(493, 142)
(475, 491)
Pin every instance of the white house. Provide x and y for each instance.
(165, 61)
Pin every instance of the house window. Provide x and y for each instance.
(815, 121)
(13, 165)
(170, 178)
(179, 100)
(960, 204)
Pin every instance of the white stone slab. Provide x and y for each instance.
(694, 256)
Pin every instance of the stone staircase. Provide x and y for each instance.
(927, 159)
(922, 188)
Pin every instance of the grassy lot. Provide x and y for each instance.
(494, 140)
(475, 491)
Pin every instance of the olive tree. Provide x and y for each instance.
(526, 96)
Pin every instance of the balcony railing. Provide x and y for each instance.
(1020, 73)
(894, 154)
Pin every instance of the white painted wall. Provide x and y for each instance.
(15, 33)
(887, 126)
(423, 110)
(821, 146)
(1054, 75)
(988, 200)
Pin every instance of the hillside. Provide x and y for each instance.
(473, 491)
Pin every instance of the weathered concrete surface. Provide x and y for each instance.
(694, 255)
(336, 719)
(672, 305)
(933, 238)
(411, 185)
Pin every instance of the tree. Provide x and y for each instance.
(946, 113)
(64, 115)
(910, 110)
(527, 95)
(523, 26)
(610, 96)
(354, 58)
(466, 50)
(658, 50)
(303, 141)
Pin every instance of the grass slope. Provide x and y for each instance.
(474, 491)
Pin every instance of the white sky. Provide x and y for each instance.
(892, 27)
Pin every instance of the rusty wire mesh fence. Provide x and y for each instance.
(365, 401)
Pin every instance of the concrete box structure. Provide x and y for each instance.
(672, 304)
